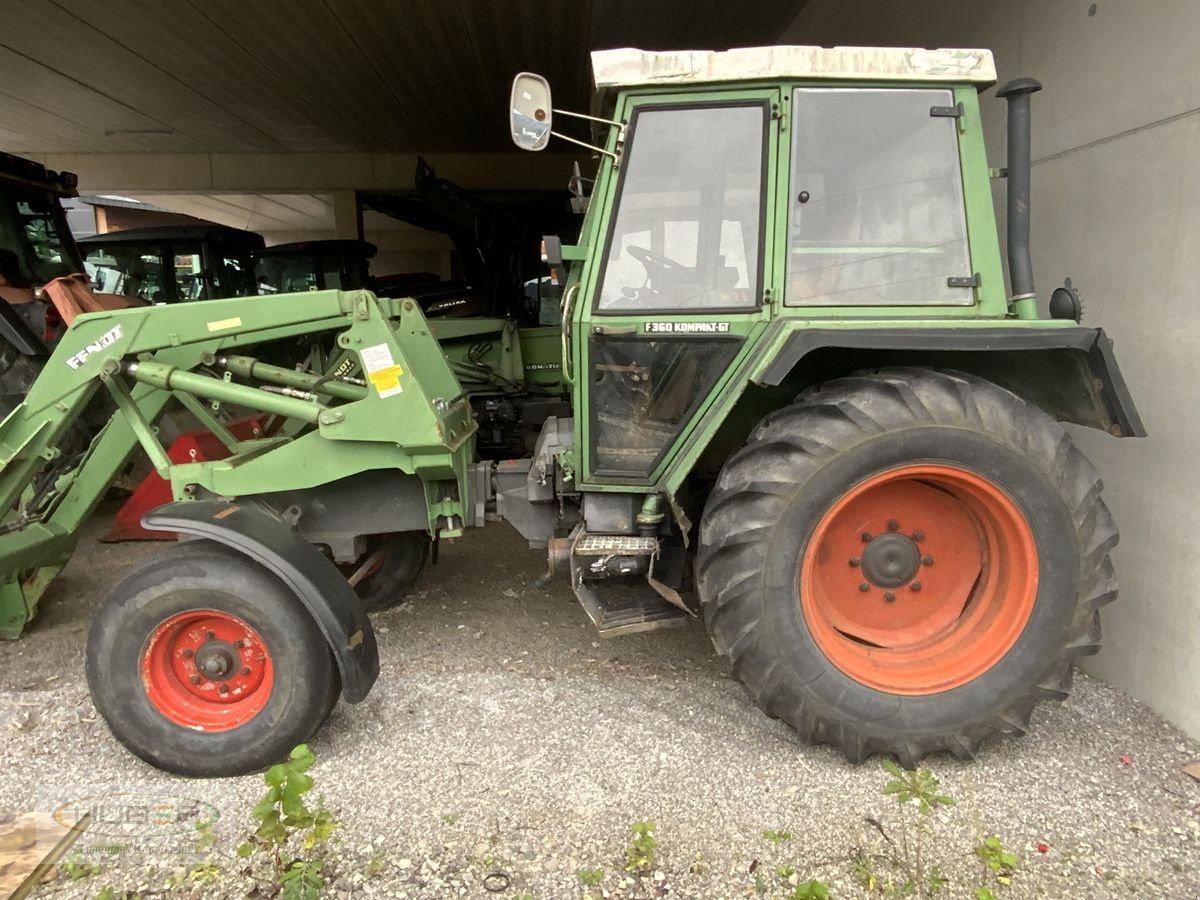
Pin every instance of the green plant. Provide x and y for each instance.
(590, 878)
(920, 785)
(777, 837)
(375, 863)
(77, 868)
(284, 818)
(640, 854)
(906, 869)
(205, 872)
(813, 889)
(107, 893)
(302, 880)
(206, 836)
(998, 861)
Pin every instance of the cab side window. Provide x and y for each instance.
(876, 214)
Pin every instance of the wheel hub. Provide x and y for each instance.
(891, 560)
(216, 660)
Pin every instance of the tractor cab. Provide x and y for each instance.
(173, 264)
(341, 265)
(36, 246)
(754, 190)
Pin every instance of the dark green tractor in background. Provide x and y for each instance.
(792, 395)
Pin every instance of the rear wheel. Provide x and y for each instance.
(203, 663)
(906, 561)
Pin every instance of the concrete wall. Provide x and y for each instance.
(1116, 206)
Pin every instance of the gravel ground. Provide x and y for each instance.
(504, 736)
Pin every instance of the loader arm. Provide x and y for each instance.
(411, 415)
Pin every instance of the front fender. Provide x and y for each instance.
(316, 582)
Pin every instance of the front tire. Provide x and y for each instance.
(906, 561)
(203, 663)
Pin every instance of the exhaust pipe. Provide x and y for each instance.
(1020, 265)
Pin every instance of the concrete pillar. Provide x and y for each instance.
(347, 217)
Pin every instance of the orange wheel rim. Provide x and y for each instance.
(919, 579)
(207, 670)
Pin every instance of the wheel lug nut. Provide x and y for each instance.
(918, 535)
(864, 587)
(893, 525)
(211, 635)
(927, 561)
(854, 561)
(246, 669)
(916, 586)
(889, 596)
(223, 689)
(866, 537)
(195, 679)
(188, 653)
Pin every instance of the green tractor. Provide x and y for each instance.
(801, 406)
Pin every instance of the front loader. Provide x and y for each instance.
(802, 406)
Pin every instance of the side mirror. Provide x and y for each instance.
(529, 111)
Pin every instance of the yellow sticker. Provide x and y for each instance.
(222, 324)
(387, 381)
(382, 370)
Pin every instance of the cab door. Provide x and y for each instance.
(683, 281)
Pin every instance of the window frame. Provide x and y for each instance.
(619, 192)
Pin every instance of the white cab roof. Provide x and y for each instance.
(628, 67)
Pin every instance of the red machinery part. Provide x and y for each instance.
(154, 491)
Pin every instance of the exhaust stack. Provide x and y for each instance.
(1020, 265)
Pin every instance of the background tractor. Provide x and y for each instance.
(173, 263)
(797, 392)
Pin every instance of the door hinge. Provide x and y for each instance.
(959, 281)
(947, 112)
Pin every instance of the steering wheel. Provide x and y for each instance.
(656, 262)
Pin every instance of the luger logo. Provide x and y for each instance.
(107, 339)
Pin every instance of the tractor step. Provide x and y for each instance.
(627, 607)
(617, 603)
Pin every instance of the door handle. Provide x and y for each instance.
(614, 329)
(568, 303)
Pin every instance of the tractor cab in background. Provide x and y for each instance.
(35, 248)
(173, 264)
(497, 270)
(338, 265)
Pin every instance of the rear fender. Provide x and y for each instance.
(316, 582)
(1070, 372)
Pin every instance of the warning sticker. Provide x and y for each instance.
(382, 370)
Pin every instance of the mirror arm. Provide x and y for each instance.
(571, 140)
(575, 115)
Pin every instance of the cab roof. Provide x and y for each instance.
(628, 67)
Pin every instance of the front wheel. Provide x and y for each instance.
(905, 562)
(203, 663)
